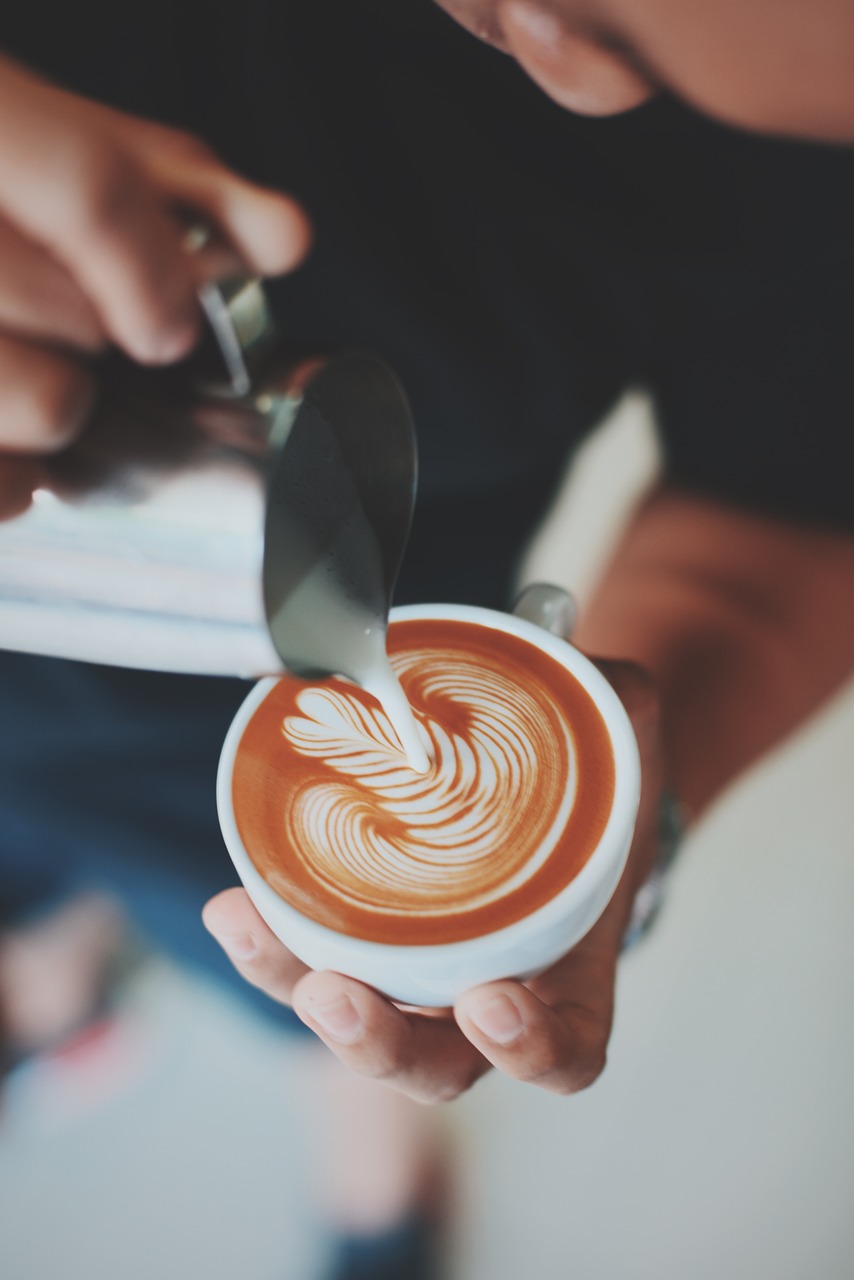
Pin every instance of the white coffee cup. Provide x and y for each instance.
(436, 974)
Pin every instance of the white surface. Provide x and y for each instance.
(719, 1143)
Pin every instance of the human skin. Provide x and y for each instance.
(551, 1031)
(94, 209)
(744, 625)
(739, 625)
(774, 66)
(771, 571)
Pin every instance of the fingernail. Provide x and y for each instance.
(499, 1019)
(338, 1019)
(240, 946)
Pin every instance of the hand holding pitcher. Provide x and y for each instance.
(92, 254)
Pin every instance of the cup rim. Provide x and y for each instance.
(600, 864)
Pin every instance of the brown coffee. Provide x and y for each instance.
(516, 800)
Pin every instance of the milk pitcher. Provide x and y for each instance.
(159, 539)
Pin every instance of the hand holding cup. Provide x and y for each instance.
(552, 1026)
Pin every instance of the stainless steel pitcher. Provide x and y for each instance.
(171, 535)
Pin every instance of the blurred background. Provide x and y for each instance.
(720, 1140)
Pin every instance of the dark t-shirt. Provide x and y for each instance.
(517, 265)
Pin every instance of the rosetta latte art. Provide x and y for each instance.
(477, 825)
(514, 803)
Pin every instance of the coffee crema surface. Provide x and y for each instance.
(516, 799)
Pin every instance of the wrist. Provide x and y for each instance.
(650, 894)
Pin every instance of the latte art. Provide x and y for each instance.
(477, 825)
(513, 804)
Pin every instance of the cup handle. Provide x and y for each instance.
(547, 606)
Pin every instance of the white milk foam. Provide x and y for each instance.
(382, 682)
(477, 824)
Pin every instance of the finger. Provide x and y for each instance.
(19, 479)
(264, 230)
(124, 250)
(88, 202)
(39, 299)
(552, 1032)
(45, 397)
(267, 229)
(250, 944)
(212, 258)
(424, 1057)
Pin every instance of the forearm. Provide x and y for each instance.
(745, 623)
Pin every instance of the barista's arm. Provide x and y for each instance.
(745, 626)
(745, 623)
(94, 207)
